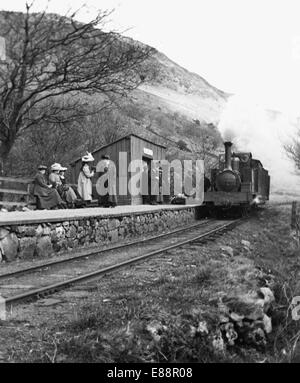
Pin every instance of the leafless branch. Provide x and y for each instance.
(51, 56)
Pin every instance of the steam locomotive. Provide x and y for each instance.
(239, 181)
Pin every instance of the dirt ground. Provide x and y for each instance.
(168, 308)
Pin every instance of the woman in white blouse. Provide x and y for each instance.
(84, 179)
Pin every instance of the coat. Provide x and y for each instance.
(54, 180)
(112, 191)
(68, 193)
(110, 198)
(48, 197)
(85, 183)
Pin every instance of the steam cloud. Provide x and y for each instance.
(253, 129)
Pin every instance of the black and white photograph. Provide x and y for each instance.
(149, 185)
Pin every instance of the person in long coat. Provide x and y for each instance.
(112, 190)
(54, 178)
(68, 193)
(48, 198)
(84, 178)
(56, 182)
(110, 198)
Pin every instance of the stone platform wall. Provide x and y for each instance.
(41, 240)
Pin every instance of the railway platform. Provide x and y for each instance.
(42, 233)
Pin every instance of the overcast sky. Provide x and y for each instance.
(246, 47)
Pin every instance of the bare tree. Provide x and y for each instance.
(103, 127)
(293, 149)
(203, 141)
(50, 56)
(49, 141)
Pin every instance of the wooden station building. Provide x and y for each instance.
(137, 148)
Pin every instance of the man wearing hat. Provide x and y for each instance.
(110, 198)
(84, 178)
(48, 198)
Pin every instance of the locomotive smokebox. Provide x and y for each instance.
(228, 146)
(228, 180)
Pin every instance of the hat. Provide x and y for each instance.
(42, 167)
(55, 166)
(88, 157)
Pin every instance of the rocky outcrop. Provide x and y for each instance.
(244, 319)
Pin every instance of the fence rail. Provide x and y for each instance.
(16, 191)
(17, 180)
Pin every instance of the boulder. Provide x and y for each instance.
(228, 250)
(218, 343)
(27, 247)
(47, 230)
(230, 333)
(64, 244)
(257, 337)
(72, 232)
(268, 297)
(246, 244)
(202, 327)
(44, 247)
(267, 324)
(60, 231)
(39, 231)
(247, 305)
(236, 317)
(70, 243)
(155, 328)
(3, 233)
(27, 231)
(9, 247)
(112, 224)
(121, 231)
(113, 235)
(223, 318)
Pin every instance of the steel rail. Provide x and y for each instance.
(59, 285)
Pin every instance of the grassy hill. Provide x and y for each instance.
(172, 105)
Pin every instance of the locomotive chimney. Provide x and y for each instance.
(228, 145)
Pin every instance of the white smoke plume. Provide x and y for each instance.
(252, 128)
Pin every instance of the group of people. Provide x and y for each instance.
(109, 199)
(56, 194)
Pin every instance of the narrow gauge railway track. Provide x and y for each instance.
(209, 231)
(280, 203)
(94, 253)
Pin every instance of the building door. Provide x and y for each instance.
(146, 180)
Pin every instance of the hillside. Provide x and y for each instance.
(172, 105)
(175, 97)
(184, 91)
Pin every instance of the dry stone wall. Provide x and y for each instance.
(42, 240)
